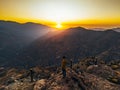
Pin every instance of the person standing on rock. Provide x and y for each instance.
(63, 66)
(31, 74)
(71, 63)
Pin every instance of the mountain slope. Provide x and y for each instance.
(75, 43)
(15, 36)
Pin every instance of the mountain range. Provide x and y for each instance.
(32, 44)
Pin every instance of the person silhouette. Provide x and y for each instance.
(63, 66)
(71, 63)
(31, 74)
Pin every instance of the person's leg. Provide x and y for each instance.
(31, 78)
(64, 73)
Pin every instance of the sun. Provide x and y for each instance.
(59, 26)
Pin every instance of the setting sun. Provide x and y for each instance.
(58, 26)
(71, 13)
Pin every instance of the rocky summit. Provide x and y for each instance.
(90, 77)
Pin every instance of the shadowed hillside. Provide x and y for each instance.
(15, 36)
(75, 43)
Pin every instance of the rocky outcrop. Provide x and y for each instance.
(99, 83)
(94, 78)
(57, 82)
(101, 70)
(20, 86)
(74, 81)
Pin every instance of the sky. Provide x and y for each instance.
(69, 13)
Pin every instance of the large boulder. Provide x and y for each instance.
(101, 70)
(40, 84)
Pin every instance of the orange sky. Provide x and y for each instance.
(69, 13)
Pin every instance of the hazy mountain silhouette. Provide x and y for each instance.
(116, 29)
(14, 36)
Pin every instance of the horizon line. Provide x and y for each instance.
(71, 25)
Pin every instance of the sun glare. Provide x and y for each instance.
(58, 26)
